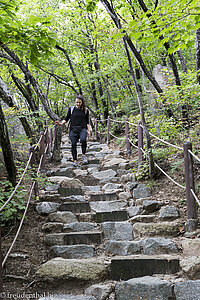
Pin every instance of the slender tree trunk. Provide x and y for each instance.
(198, 54)
(57, 142)
(71, 68)
(31, 79)
(7, 149)
(7, 97)
(140, 103)
(182, 61)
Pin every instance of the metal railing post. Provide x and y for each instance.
(42, 150)
(128, 145)
(140, 142)
(108, 130)
(189, 181)
(96, 129)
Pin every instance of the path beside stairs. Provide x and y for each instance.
(107, 237)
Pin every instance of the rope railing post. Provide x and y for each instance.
(128, 145)
(1, 268)
(42, 150)
(47, 139)
(189, 181)
(140, 142)
(33, 164)
(108, 130)
(96, 129)
(51, 139)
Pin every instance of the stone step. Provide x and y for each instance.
(124, 268)
(87, 237)
(65, 191)
(88, 180)
(77, 207)
(73, 251)
(118, 215)
(103, 197)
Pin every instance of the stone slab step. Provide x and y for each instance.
(124, 268)
(119, 215)
(103, 197)
(69, 191)
(88, 180)
(77, 207)
(73, 251)
(88, 238)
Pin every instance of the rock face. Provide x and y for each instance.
(191, 267)
(118, 231)
(72, 269)
(187, 290)
(168, 213)
(158, 246)
(45, 208)
(147, 287)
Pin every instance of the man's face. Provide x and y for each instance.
(78, 103)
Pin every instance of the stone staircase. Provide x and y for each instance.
(104, 233)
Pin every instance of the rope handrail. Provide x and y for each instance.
(132, 144)
(183, 187)
(122, 122)
(194, 155)
(195, 197)
(20, 225)
(19, 182)
(102, 120)
(122, 138)
(132, 124)
(165, 142)
(40, 163)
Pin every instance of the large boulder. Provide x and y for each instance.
(60, 269)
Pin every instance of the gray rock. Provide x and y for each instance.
(147, 287)
(114, 162)
(51, 187)
(125, 195)
(104, 176)
(110, 187)
(191, 246)
(74, 198)
(91, 189)
(118, 231)
(107, 206)
(58, 269)
(45, 208)
(52, 227)
(141, 191)
(151, 205)
(68, 172)
(156, 229)
(142, 218)
(68, 297)
(122, 247)
(130, 177)
(100, 291)
(158, 246)
(74, 251)
(71, 183)
(187, 290)
(54, 239)
(191, 267)
(126, 165)
(78, 226)
(168, 213)
(134, 210)
(129, 186)
(63, 217)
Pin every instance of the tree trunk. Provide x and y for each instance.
(182, 61)
(57, 142)
(7, 149)
(7, 97)
(198, 54)
(31, 79)
(140, 103)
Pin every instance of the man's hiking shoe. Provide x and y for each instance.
(75, 164)
(84, 160)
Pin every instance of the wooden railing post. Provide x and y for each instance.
(128, 145)
(108, 130)
(47, 140)
(33, 164)
(140, 142)
(189, 181)
(1, 269)
(42, 150)
(96, 129)
(51, 138)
